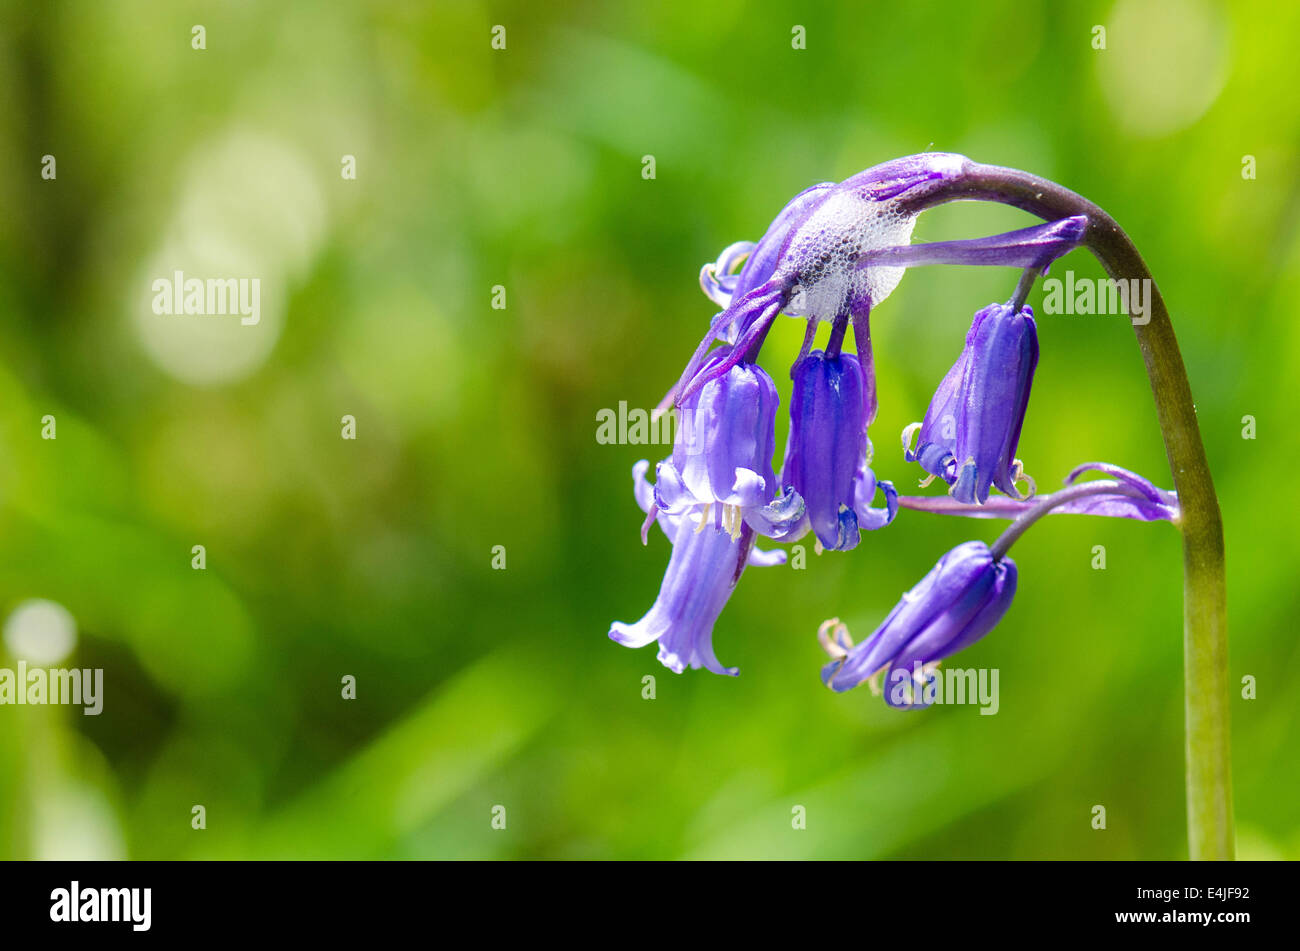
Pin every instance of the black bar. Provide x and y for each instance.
(915, 901)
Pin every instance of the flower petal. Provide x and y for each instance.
(702, 573)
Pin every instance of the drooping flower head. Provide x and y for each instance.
(809, 263)
(833, 254)
(820, 262)
(971, 430)
(827, 458)
(815, 241)
(963, 597)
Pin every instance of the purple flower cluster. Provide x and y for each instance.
(833, 254)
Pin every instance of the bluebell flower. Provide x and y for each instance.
(703, 570)
(971, 430)
(712, 497)
(963, 597)
(827, 457)
(722, 454)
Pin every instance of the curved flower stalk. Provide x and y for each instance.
(1127, 495)
(833, 255)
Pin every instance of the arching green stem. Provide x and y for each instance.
(1205, 629)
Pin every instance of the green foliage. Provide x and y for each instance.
(373, 558)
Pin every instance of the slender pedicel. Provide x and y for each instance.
(1056, 499)
(1035, 247)
(862, 339)
(836, 340)
(761, 298)
(809, 335)
(745, 348)
(1023, 288)
(1001, 506)
(1128, 495)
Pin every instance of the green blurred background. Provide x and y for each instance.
(476, 427)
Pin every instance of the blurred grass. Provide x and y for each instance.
(476, 426)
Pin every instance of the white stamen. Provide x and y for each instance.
(704, 517)
(1018, 474)
(908, 432)
(737, 521)
(832, 634)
